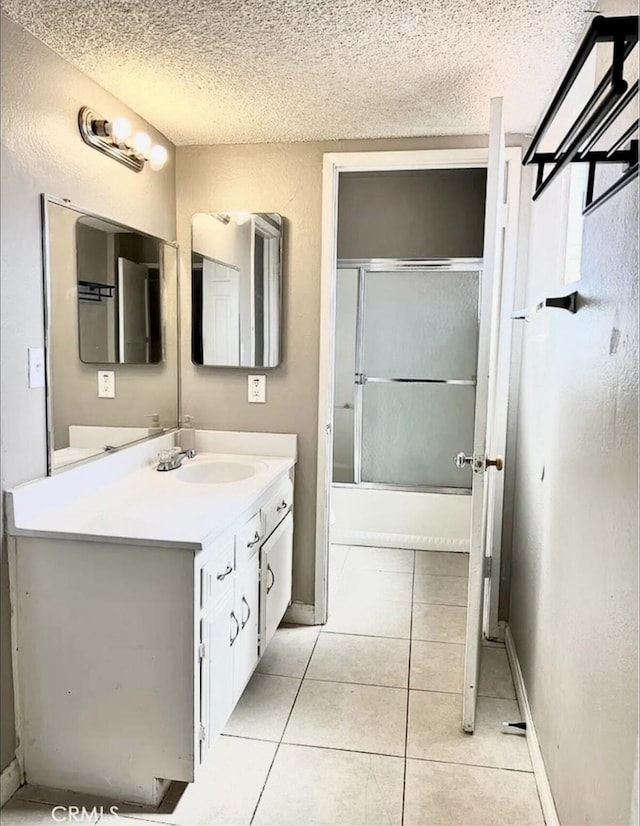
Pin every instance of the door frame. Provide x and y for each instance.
(333, 165)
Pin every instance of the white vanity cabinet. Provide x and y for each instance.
(245, 592)
(229, 626)
(132, 654)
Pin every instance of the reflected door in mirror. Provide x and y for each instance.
(119, 277)
(236, 269)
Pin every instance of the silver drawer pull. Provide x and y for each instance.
(256, 539)
(229, 570)
(273, 578)
(245, 621)
(282, 506)
(234, 637)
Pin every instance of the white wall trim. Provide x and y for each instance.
(300, 613)
(539, 770)
(376, 539)
(12, 550)
(10, 781)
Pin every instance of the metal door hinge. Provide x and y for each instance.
(202, 733)
(487, 567)
(201, 651)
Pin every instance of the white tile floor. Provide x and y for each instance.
(359, 722)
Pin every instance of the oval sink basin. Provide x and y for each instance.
(216, 473)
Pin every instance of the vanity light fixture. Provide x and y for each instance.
(117, 139)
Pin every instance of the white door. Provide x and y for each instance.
(247, 590)
(220, 314)
(276, 577)
(219, 630)
(491, 280)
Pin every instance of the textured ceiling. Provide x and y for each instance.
(244, 71)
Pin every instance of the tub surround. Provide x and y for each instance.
(160, 596)
(400, 519)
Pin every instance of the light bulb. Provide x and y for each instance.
(120, 129)
(141, 143)
(158, 157)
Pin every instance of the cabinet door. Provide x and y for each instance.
(276, 575)
(219, 632)
(247, 610)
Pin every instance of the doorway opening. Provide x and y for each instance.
(383, 309)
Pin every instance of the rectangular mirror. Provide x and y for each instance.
(236, 278)
(111, 298)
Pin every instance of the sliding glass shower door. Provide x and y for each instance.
(415, 357)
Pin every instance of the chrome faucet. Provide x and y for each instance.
(171, 460)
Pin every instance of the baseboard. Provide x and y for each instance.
(10, 781)
(537, 761)
(376, 539)
(300, 613)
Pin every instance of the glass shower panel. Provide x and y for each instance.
(344, 387)
(421, 324)
(412, 432)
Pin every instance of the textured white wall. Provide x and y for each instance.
(575, 541)
(42, 152)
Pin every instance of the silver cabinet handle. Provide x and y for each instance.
(462, 460)
(234, 637)
(273, 578)
(281, 506)
(245, 621)
(229, 570)
(256, 539)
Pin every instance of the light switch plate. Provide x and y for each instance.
(257, 389)
(36, 366)
(106, 384)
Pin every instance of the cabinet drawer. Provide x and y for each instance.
(216, 575)
(248, 540)
(277, 507)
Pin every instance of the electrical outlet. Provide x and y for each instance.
(36, 367)
(106, 384)
(257, 389)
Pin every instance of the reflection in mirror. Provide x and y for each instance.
(118, 294)
(236, 276)
(111, 305)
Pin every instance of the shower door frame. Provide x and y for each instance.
(333, 165)
(394, 265)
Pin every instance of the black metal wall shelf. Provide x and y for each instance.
(610, 98)
(94, 291)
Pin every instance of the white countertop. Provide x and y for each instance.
(149, 507)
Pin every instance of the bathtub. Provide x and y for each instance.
(400, 519)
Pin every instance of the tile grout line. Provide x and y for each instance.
(275, 754)
(406, 727)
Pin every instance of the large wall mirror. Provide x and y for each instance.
(236, 272)
(111, 294)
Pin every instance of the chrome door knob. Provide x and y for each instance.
(462, 459)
